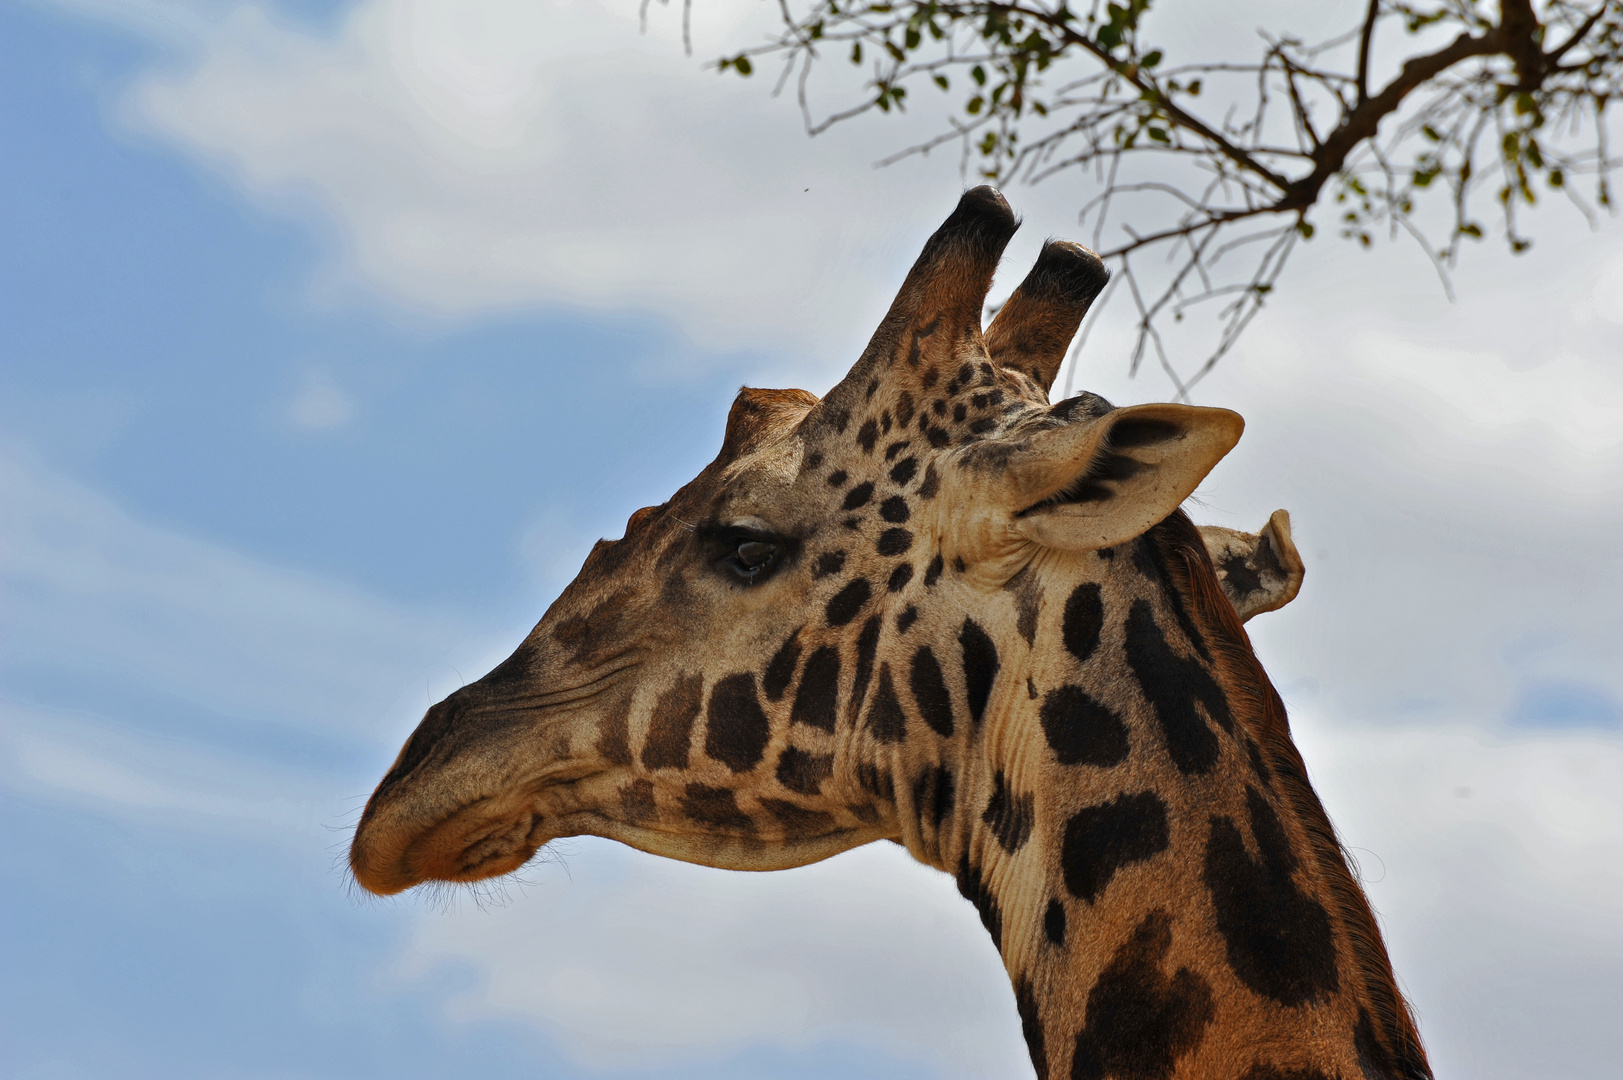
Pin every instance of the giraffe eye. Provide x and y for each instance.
(746, 555)
(751, 560)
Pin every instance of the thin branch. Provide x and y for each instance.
(1366, 35)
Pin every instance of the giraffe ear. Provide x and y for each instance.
(1259, 571)
(1102, 482)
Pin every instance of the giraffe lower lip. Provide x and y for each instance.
(482, 840)
(474, 844)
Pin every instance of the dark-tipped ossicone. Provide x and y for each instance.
(937, 311)
(1034, 329)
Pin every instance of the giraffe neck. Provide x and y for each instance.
(1164, 887)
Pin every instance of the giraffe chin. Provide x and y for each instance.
(479, 841)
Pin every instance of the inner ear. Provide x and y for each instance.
(1103, 482)
(1260, 571)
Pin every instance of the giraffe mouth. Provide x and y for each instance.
(484, 839)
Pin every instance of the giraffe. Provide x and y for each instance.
(934, 608)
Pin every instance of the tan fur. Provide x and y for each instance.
(932, 607)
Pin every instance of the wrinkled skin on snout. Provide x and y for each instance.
(540, 747)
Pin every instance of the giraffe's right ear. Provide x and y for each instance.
(1102, 482)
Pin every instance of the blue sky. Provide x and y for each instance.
(295, 437)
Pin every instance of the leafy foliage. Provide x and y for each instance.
(1209, 172)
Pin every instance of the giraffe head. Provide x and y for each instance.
(731, 681)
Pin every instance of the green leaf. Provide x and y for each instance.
(911, 38)
(1472, 230)
(1306, 229)
(856, 52)
(941, 81)
(1194, 88)
(1557, 178)
(1151, 59)
(1431, 133)
(1158, 134)
(973, 107)
(743, 65)
(978, 73)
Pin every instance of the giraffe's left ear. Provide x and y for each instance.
(1099, 483)
(1260, 571)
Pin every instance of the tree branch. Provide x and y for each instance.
(1362, 122)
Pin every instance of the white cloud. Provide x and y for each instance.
(104, 766)
(320, 404)
(631, 961)
(103, 594)
(512, 153)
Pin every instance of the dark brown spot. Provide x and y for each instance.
(1099, 840)
(930, 692)
(1009, 816)
(1054, 923)
(886, 720)
(933, 795)
(1082, 730)
(844, 605)
(1179, 688)
(780, 672)
(804, 772)
(818, 693)
(670, 729)
(930, 484)
(1028, 595)
(738, 730)
(1031, 1026)
(1084, 620)
(798, 821)
(876, 782)
(980, 667)
(1139, 1020)
(715, 806)
(894, 542)
(867, 646)
(859, 495)
(614, 738)
(829, 562)
(637, 801)
(894, 509)
(979, 893)
(1278, 938)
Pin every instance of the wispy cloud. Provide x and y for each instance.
(102, 595)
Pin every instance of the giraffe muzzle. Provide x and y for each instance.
(486, 838)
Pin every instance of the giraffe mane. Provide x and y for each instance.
(1387, 1035)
